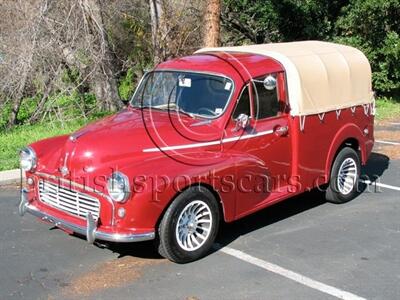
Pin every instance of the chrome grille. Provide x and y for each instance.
(70, 201)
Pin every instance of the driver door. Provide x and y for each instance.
(265, 141)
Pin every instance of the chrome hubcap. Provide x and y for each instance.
(347, 176)
(194, 225)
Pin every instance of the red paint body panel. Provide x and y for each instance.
(319, 142)
(129, 142)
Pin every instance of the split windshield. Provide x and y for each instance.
(195, 94)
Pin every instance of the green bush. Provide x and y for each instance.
(126, 85)
(27, 108)
(374, 27)
(5, 115)
(69, 106)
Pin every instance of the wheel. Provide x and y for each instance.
(189, 226)
(345, 174)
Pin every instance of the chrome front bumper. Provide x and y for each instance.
(90, 231)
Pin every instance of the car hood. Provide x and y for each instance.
(130, 136)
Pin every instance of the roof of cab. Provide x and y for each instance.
(242, 65)
(321, 76)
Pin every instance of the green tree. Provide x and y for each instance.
(374, 27)
(259, 21)
(252, 21)
(303, 20)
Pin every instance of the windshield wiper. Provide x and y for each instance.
(175, 108)
(181, 111)
(148, 107)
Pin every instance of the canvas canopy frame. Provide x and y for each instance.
(321, 76)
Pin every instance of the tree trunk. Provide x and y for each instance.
(104, 86)
(103, 80)
(158, 29)
(18, 98)
(212, 25)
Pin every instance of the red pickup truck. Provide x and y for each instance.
(211, 137)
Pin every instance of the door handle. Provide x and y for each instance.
(281, 130)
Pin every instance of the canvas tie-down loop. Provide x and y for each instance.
(353, 110)
(321, 117)
(338, 112)
(366, 109)
(302, 122)
(373, 107)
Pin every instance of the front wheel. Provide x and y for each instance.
(345, 174)
(189, 226)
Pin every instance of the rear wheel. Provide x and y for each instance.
(345, 173)
(189, 226)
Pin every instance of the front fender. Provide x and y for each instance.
(157, 181)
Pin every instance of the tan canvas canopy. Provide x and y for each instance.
(321, 76)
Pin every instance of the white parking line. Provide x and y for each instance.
(398, 124)
(392, 187)
(322, 287)
(386, 142)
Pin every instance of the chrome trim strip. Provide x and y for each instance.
(90, 231)
(197, 145)
(84, 188)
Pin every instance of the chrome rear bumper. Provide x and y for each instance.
(90, 231)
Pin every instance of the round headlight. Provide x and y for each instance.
(118, 187)
(27, 159)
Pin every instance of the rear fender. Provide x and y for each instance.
(346, 132)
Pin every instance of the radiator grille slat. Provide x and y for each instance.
(70, 201)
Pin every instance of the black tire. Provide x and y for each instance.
(167, 241)
(341, 194)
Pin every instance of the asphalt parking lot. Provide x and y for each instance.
(302, 248)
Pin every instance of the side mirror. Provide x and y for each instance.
(242, 121)
(269, 83)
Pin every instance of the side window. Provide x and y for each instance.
(243, 105)
(265, 100)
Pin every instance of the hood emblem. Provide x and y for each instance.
(73, 137)
(64, 169)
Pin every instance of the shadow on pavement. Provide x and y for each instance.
(142, 250)
(273, 214)
(375, 167)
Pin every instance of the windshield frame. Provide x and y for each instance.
(189, 72)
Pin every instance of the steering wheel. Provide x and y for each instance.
(208, 110)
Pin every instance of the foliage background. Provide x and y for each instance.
(64, 63)
(370, 25)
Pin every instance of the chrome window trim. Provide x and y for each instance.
(253, 81)
(238, 100)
